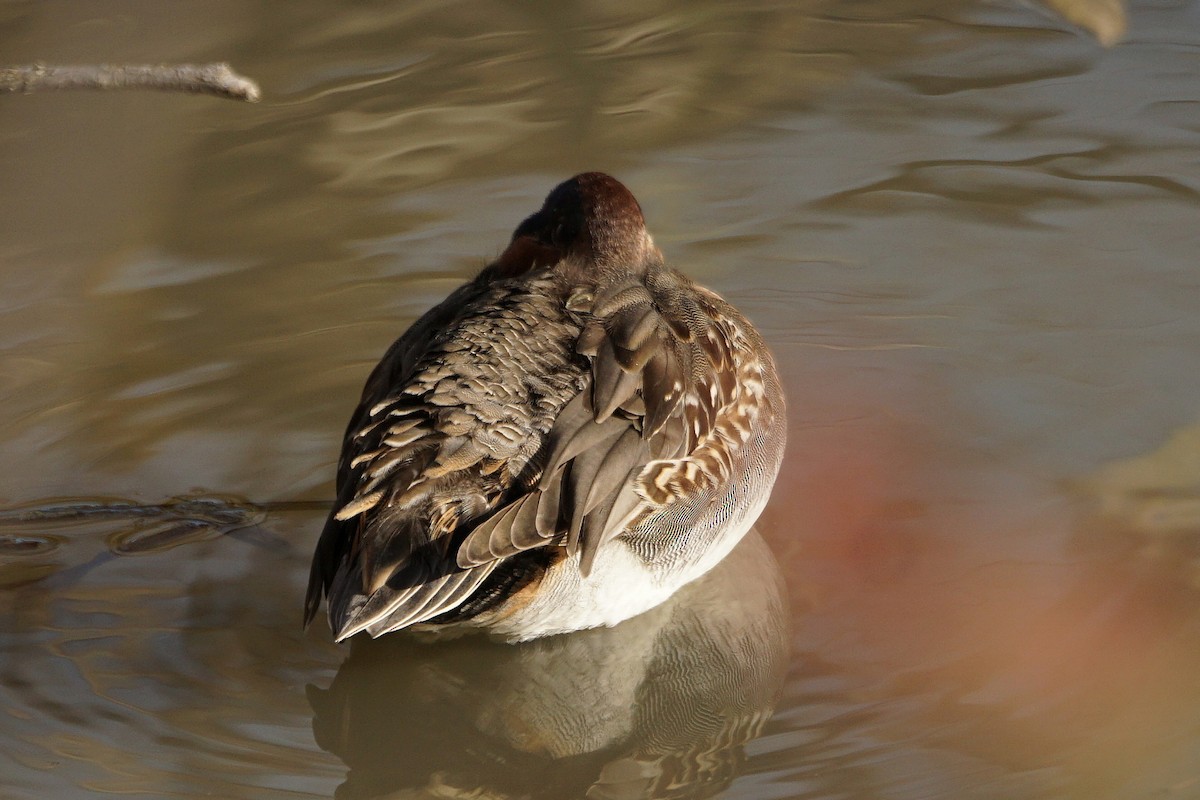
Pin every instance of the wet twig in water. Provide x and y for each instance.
(150, 528)
(214, 508)
(215, 79)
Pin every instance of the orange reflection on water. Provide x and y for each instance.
(980, 617)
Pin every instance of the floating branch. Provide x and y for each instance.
(217, 509)
(214, 79)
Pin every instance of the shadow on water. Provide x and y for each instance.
(657, 707)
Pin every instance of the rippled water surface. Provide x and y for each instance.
(968, 231)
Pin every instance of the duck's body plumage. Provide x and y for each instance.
(560, 444)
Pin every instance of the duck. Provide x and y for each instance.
(561, 444)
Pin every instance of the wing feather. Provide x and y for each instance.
(612, 384)
(661, 377)
(581, 473)
(660, 396)
(475, 549)
(389, 609)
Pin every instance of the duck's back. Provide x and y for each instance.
(561, 444)
(444, 433)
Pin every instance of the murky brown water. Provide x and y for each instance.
(969, 232)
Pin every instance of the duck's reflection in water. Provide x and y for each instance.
(658, 706)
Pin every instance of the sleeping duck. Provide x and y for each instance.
(561, 444)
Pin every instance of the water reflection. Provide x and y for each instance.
(1153, 498)
(659, 706)
(129, 528)
(1055, 656)
(178, 670)
(221, 262)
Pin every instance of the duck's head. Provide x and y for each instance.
(590, 221)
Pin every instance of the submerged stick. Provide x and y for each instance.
(214, 79)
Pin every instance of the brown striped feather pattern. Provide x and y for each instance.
(578, 395)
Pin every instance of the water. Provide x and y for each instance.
(967, 230)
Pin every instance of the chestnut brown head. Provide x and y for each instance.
(591, 218)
